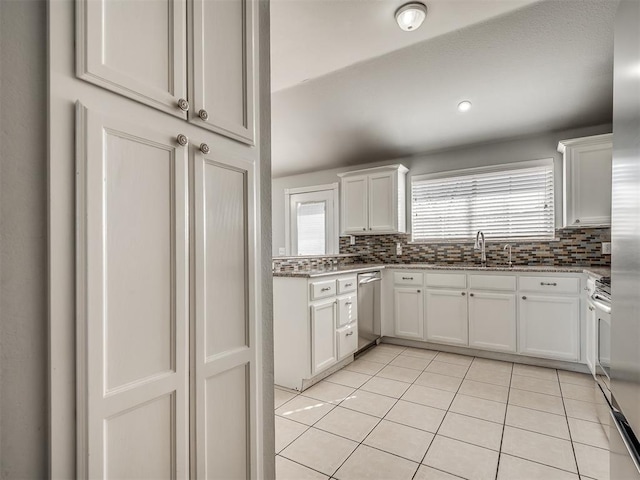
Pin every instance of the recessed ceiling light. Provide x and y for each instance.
(464, 106)
(411, 15)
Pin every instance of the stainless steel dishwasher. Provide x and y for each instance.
(368, 309)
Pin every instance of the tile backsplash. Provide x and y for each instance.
(571, 246)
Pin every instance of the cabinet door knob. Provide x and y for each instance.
(524, 298)
(182, 140)
(203, 114)
(577, 220)
(183, 105)
(463, 293)
(204, 148)
(418, 291)
(471, 295)
(364, 229)
(591, 308)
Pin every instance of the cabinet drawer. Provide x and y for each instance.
(347, 339)
(347, 310)
(448, 280)
(407, 278)
(550, 284)
(346, 285)
(323, 289)
(493, 282)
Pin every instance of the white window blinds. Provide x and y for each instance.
(311, 228)
(511, 201)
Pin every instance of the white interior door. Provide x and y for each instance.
(313, 229)
(135, 48)
(225, 355)
(132, 301)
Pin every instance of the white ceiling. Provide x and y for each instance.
(311, 38)
(544, 67)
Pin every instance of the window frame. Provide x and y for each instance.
(504, 167)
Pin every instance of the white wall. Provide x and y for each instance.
(23, 240)
(516, 150)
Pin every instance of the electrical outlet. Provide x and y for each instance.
(352, 239)
(606, 248)
(398, 249)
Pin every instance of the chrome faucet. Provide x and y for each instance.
(508, 247)
(480, 245)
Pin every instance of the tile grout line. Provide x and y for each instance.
(443, 418)
(504, 423)
(573, 448)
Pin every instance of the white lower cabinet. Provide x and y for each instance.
(591, 338)
(323, 338)
(408, 313)
(347, 338)
(549, 326)
(447, 316)
(492, 321)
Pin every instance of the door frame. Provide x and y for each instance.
(287, 212)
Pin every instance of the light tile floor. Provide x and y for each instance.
(405, 413)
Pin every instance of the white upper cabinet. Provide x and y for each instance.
(587, 180)
(222, 67)
(139, 49)
(374, 200)
(136, 49)
(355, 207)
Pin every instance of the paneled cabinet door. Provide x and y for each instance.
(323, 336)
(222, 66)
(591, 338)
(383, 199)
(549, 326)
(355, 204)
(408, 313)
(225, 332)
(492, 321)
(137, 49)
(446, 317)
(132, 300)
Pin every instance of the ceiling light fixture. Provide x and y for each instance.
(464, 106)
(411, 15)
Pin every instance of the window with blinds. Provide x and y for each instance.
(507, 201)
(311, 228)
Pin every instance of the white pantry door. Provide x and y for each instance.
(132, 300)
(225, 365)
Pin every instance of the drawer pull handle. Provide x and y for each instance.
(524, 298)
(348, 284)
(325, 289)
(407, 278)
(549, 284)
(350, 333)
(348, 303)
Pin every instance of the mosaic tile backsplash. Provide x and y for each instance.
(572, 247)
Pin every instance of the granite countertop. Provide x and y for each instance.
(597, 272)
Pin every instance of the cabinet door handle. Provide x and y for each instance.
(348, 284)
(407, 278)
(348, 303)
(325, 289)
(524, 298)
(364, 229)
(549, 284)
(471, 294)
(591, 308)
(418, 291)
(463, 293)
(183, 105)
(349, 334)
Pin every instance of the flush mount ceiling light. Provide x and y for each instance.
(464, 106)
(411, 15)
